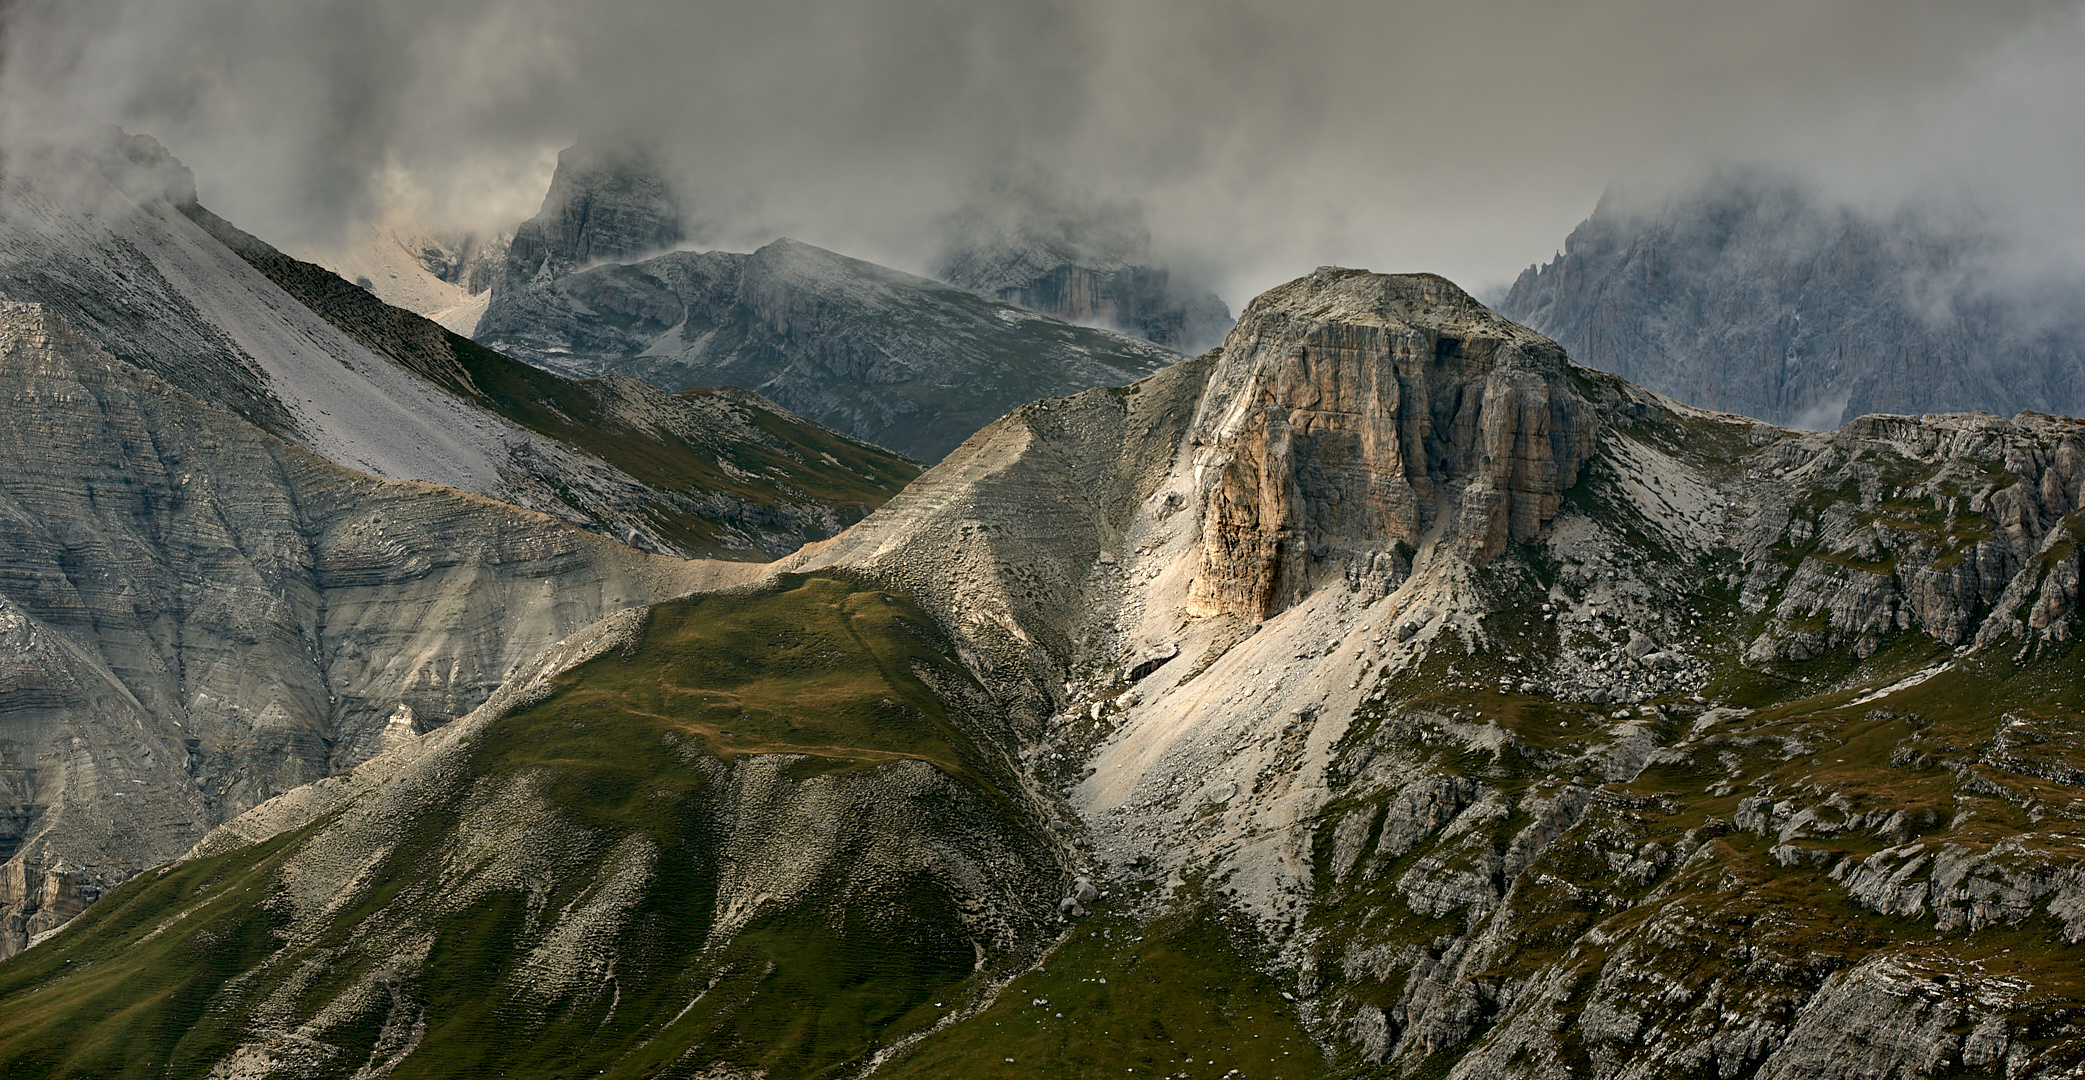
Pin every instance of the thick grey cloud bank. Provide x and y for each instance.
(1257, 139)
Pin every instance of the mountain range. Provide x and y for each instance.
(899, 360)
(594, 284)
(210, 593)
(118, 248)
(1382, 693)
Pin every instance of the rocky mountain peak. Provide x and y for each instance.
(602, 207)
(1351, 411)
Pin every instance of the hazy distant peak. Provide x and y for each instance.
(1750, 292)
(1082, 259)
(1014, 232)
(146, 170)
(604, 205)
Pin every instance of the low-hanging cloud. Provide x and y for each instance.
(1256, 139)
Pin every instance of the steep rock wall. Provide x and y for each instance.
(602, 207)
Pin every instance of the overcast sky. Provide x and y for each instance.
(1259, 139)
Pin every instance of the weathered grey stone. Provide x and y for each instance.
(605, 205)
(196, 616)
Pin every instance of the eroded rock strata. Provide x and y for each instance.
(201, 616)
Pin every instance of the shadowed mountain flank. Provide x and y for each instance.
(901, 361)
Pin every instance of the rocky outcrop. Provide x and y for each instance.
(1972, 541)
(1884, 1019)
(1353, 411)
(1748, 294)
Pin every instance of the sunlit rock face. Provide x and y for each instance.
(1355, 411)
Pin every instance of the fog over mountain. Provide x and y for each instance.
(1255, 140)
(1749, 293)
(787, 595)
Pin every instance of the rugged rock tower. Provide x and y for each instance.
(1353, 409)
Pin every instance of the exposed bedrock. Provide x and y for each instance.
(196, 616)
(1353, 410)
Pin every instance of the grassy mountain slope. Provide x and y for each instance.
(761, 832)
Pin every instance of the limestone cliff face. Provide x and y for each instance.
(1355, 412)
